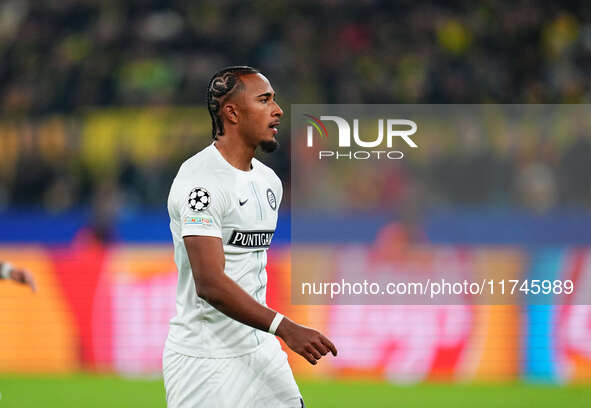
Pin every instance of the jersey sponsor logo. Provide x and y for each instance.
(271, 199)
(199, 220)
(199, 199)
(251, 239)
(242, 202)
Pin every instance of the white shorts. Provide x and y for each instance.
(259, 379)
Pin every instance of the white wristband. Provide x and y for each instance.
(275, 323)
(5, 270)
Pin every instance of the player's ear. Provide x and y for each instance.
(230, 112)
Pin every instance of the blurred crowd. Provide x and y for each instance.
(66, 54)
(64, 59)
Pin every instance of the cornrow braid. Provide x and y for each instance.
(220, 87)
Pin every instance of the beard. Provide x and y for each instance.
(269, 146)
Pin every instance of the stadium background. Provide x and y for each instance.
(101, 102)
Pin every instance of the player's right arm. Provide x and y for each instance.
(206, 256)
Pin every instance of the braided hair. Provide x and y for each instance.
(221, 86)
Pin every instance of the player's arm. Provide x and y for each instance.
(7, 271)
(206, 256)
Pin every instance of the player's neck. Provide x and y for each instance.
(236, 152)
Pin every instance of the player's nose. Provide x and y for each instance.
(277, 112)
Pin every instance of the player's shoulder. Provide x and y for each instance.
(266, 171)
(201, 170)
(201, 165)
(198, 161)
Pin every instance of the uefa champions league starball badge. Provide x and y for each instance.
(199, 199)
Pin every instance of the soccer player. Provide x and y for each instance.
(7, 271)
(221, 349)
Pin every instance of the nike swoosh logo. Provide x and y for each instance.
(242, 202)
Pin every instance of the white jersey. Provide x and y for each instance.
(211, 197)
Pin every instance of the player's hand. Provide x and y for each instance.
(23, 276)
(308, 343)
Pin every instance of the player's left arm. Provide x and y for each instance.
(19, 275)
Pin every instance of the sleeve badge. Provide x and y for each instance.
(199, 199)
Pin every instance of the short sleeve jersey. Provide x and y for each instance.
(210, 197)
